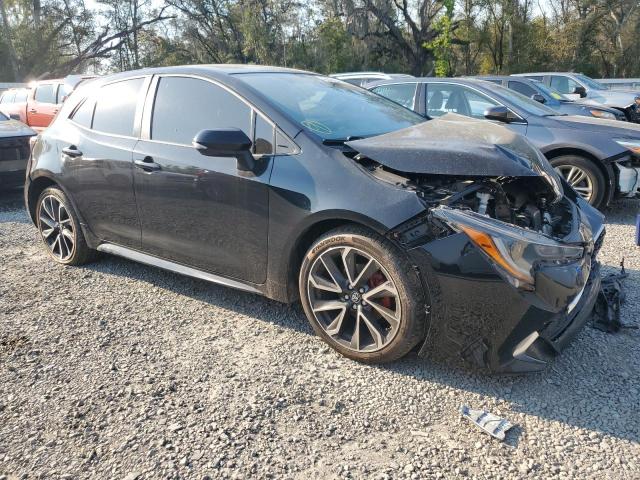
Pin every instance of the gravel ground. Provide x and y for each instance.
(118, 370)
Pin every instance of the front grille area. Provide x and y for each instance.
(14, 148)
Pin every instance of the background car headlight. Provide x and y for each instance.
(602, 114)
(515, 251)
(629, 144)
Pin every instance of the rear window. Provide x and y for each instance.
(8, 97)
(46, 93)
(116, 105)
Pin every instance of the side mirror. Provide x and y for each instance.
(14, 116)
(501, 114)
(580, 90)
(538, 98)
(226, 142)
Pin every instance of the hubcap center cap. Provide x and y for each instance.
(356, 297)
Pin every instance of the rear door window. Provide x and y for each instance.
(401, 93)
(184, 106)
(522, 88)
(115, 109)
(46, 93)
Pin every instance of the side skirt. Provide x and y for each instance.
(173, 267)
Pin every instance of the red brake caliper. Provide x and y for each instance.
(378, 279)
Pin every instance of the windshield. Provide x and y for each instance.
(551, 92)
(591, 83)
(332, 109)
(525, 103)
(3, 117)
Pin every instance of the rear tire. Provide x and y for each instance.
(362, 296)
(60, 229)
(584, 176)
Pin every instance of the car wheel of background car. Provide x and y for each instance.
(60, 228)
(362, 296)
(584, 176)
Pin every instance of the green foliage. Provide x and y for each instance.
(441, 46)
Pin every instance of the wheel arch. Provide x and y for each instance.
(36, 187)
(605, 168)
(317, 226)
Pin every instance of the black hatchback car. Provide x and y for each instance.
(599, 158)
(453, 236)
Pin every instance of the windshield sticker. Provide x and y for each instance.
(557, 96)
(317, 126)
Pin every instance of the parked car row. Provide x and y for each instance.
(447, 234)
(598, 158)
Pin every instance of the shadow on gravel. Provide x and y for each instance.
(11, 200)
(623, 212)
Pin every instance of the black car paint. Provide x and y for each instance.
(253, 229)
(553, 135)
(15, 139)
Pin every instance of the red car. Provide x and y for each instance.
(42, 102)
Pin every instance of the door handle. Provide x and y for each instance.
(33, 110)
(147, 164)
(72, 151)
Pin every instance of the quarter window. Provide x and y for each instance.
(46, 93)
(21, 97)
(184, 106)
(263, 143)
(401, 93)
(115, 110)
(84, 113)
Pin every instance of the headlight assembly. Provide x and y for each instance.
(602, 114)
(513, 250)
(629, 144)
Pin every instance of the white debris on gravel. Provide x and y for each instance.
(119, 370)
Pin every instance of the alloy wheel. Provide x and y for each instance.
(56, 227)
(354, 299)
(578, 178)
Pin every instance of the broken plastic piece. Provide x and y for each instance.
(606, 311)
(488, 422)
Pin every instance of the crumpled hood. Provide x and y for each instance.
(14, 128)
(612, 128)
(454, 145)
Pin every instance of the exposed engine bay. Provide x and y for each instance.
(528, 202)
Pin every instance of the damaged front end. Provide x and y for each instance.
(505, 249)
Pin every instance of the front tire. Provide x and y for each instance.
(584, 176)
(60, 230)
(362, 296)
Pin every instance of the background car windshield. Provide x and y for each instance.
(330, 108)
(591, 83)
(525, 103)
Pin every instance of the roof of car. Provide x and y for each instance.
(468, 80)
(544, 73)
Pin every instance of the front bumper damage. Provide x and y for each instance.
(628, 180)
(477, 317)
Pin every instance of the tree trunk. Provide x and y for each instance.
(6, 35)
